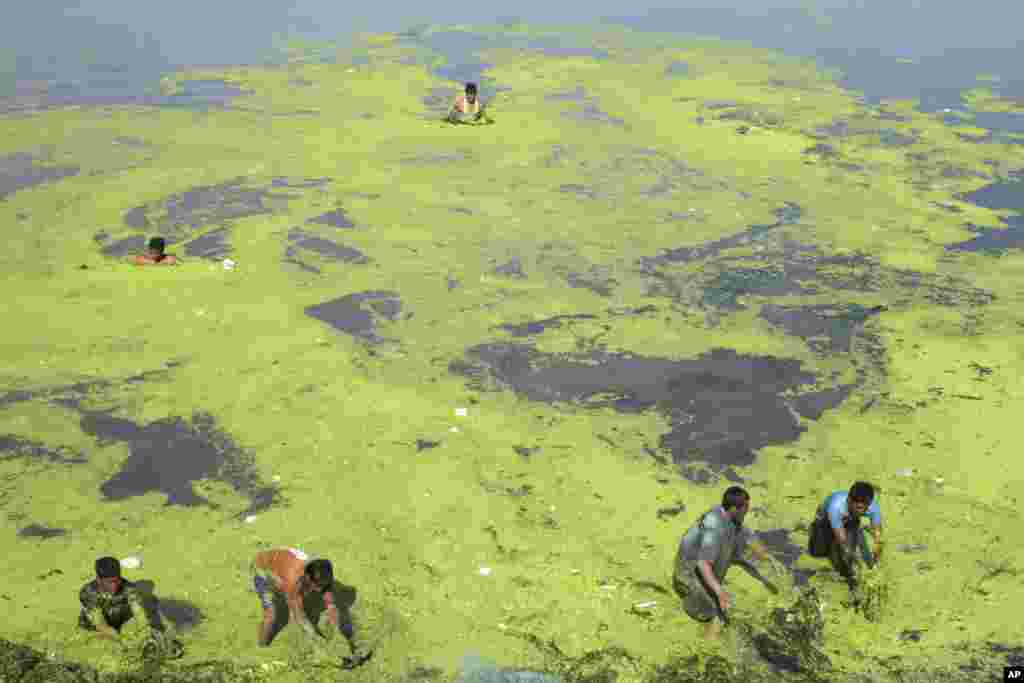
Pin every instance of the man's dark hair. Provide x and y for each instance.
(320, 571)
(471, 88)
(734, 496)
(158, 244)
(108, 568)
(862, 490)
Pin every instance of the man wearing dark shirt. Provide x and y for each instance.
(109, 601)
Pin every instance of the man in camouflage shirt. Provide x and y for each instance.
(109, 601)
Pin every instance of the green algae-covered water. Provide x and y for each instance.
(494, 372)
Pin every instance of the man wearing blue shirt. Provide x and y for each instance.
(836, 532)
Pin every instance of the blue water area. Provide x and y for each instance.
(1005, 195)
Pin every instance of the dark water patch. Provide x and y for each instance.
(960, 172)
(426, 445)
(913, 635)
(592, 114)
(813, 405)
(722, 407)
(459, 49)
(1003, 195)
(511, 268)
(994, 241)
(726, 288)
(20, 172)
(17, 448)
(577, 95)
(40, 531)
(180, 215)
(822, 150)
(357, 314)
(825, 327)
(136, 218)
(124, 247)
(596, 282)
(183, 614)
(836, 129)
(579, 190)
(213, 245)
(327, 248)
(539, 326)
(304, 184)
(678, 70)
(335, 218)
(894, 138)
(785, 215)
(204, 93)
(169, 456)
(452, 283)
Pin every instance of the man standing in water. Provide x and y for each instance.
(466, 106)
(706, 551)
(836, 532)
(155, 255)
(290, 573)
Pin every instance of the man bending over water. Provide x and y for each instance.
(109, 602)
(836, 532)
(155, 255)
(290, 573)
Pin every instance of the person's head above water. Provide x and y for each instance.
(156, 247)
(736, 501)
(860, 497)
(320, 573)
(108, 574)
(471, 92)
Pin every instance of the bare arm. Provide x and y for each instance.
(704, 567)
(876, 532)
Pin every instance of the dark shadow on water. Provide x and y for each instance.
(357, 314)
(15, 447)
(678, 70)
(722, 406)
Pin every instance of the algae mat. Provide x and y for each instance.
(494, 372)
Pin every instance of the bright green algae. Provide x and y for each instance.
(430, 202)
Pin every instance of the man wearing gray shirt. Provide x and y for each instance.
(707, 550)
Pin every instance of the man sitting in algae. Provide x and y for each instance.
(836, 533)
(155, 254)
(708, 548)
(467, 108)
(288, 573)
(109, 602)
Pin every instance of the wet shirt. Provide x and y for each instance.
(96, 603)
(287, 566)
(714, 538)
(837, 511)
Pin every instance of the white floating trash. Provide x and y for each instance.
(485, 571)
(228, 264)
(131, 562)
(250, 519)
(460, 412)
